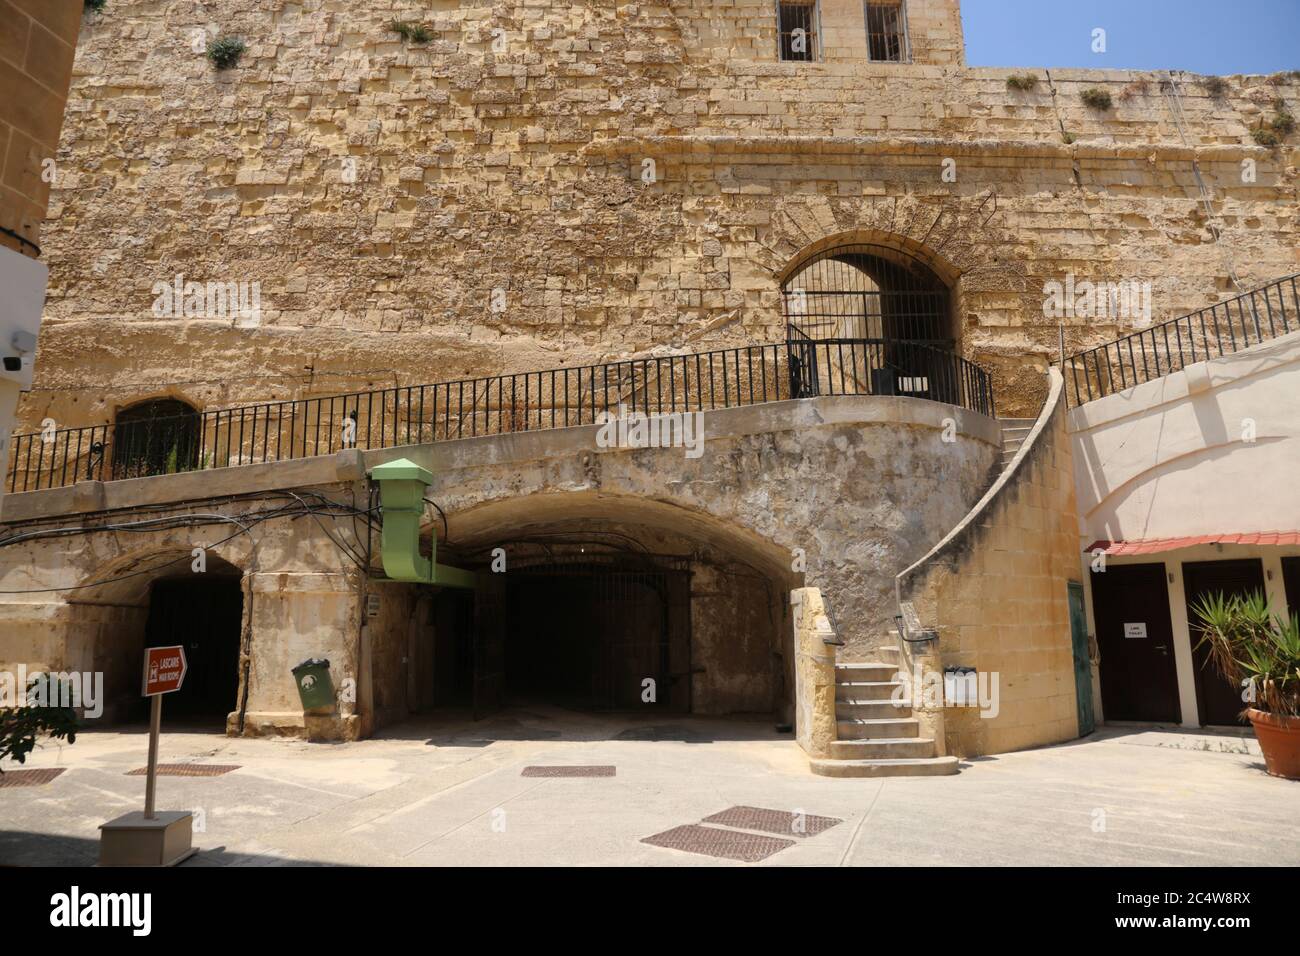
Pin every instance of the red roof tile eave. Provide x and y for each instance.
(1157, 545)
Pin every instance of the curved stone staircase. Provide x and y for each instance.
(876, 733)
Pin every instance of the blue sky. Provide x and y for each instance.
(1201, 36)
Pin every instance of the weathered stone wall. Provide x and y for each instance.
(843, 492)
(80, 603)
(37, 43)
(862, 487)
(521, 170)
(995, 592)
(388, 653)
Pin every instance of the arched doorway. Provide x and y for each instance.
(204, 614)
(162, 596)
(865, 291)
(868, 319)
(610, 604)
(604, 630)
(158, 437)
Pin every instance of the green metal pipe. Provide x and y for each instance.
(402, 485)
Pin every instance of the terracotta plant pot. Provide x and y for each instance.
(1279, 738)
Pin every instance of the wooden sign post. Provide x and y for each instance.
(152, 838)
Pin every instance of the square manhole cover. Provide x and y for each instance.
(187, 770)
(29, 778)
(785, 822)
(715, 842)
(592, 771)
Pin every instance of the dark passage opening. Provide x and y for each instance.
(204, 613)
(600, 632)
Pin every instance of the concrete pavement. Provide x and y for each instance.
(447, 791)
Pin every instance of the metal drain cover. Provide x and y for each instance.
(187, 770)
(29, 778)
(715, 842)
(593, 771)
(660, 733)
(784, 822)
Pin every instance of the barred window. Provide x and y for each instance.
(887, 31)
(797, 29)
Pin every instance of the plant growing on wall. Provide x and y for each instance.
(1022, 81)
(95, 5)
(224, 52)
(1283, 122)
(1216, 87)
(1271, 132)
(1263, 136)
(1260, 653)
(410, 32)
(1096, 99)
(1137, 88)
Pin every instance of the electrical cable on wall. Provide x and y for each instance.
(249, 521)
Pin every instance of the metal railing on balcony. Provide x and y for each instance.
(526, 401)
(1220, 329)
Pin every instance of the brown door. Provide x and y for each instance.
(1130, 605)
(1218, 702)
(1291, 577)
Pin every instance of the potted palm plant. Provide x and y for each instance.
(1259, 652)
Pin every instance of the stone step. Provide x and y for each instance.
(879, 748)
(871, 709)
(867, 690)
(1017, 422)
(890, 654)
(877, 728)
(887, 767)
(873, 671)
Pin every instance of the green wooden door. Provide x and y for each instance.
(1082, 666)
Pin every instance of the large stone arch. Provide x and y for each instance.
(546, 509)
(734, 623)
(106, 618)
(956, 236)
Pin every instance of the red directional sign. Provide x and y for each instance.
(164, 670)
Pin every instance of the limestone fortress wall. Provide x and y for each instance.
(478, 203)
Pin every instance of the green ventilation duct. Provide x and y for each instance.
(402, 484)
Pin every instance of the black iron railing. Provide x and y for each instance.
(527, 401)
(886, 367)
(1221, 329)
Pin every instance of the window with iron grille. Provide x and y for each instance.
(159, 437)
(797, 29)
(887, 32)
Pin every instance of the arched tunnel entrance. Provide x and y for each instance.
(159, 598)
(598, 631)
(604, 615)
(204, 614)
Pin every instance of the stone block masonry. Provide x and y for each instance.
(476, 204)
(994, 590)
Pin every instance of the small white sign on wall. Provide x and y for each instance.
(1135, 630)
(372, 605)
